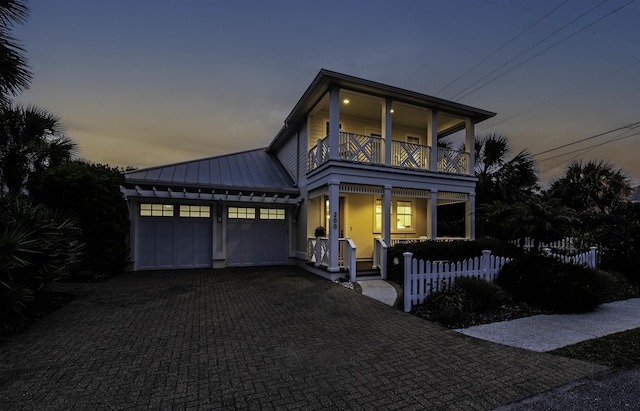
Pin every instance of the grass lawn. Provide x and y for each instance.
(618, 351)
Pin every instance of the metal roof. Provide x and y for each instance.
(247, 170)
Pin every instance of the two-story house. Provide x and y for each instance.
(358, 158)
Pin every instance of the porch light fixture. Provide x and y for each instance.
(392, 110)
(345, 101)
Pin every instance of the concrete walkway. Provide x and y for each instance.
(379, 290)
(258, 338)
(547, 332)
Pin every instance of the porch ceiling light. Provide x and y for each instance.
(345, 101)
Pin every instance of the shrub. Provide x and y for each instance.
(447, 307)
(481, 295)
(549, 283)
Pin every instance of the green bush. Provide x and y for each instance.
(481, 295)
(549, 283)
(447, 307)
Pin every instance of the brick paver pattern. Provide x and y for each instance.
(258, 338)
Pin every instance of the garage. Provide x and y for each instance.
(256, 236)
(169, 239)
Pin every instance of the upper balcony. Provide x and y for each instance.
(364, 149)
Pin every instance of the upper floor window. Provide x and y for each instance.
(156, 210)
(195, 211)
(272, 214)
(247, 213)
(413, 140)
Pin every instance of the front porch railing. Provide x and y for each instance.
(452, 161)
(361, 149)
(380, 256)
(318, 251)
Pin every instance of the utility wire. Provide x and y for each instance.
(529, 48)
(590, 148)
(563, 94)
(548, 48)
(628, 127)
(501, 47)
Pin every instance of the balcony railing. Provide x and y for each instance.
(452, 161)
(359, 148)
(408, 155)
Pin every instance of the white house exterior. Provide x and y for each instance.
(356, 157)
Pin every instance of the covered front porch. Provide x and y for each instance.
(361, 221)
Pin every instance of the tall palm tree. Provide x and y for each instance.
(501, 178)
(31, 141)
(594, 186)
(15, 75)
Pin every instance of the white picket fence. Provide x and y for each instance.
(589, 258)
(566, 244)
(421, 278)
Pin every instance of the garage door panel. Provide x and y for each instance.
(256, 242)
(164, 244)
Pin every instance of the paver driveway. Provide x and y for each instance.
(259, 338)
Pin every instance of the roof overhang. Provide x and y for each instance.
(211, 195)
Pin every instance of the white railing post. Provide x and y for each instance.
(318, 252)
(593, 257)
(484, 261)
(407, 281)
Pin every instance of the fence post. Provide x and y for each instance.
(546, 251)
(407, 281)
(484, 261)
(593, 257)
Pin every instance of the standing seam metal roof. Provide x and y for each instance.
(254, 169)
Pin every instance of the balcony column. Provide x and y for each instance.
(470, 217)
(334, 123)
(433, 214)
(387, 130)
(432, 139)
(386, 215)
(334, 231)
(470, 146)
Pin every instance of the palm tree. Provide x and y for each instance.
(31, 141)
(594, 186)
(15, 75)
(500, 178)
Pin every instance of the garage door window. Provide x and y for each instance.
(272, 214)
(241, 213)
(156, 210)
(195, 211)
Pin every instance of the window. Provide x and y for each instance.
(272, 214)
(404, 214)
(195, 211)
(241, 212)
(156, 210)
(413, 140)
(377, 223)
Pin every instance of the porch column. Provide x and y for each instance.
(432, 138)
(386, 130)
(334, 231)
(470, 217)
(470, 146)
(434, 214)
(386, 215)
(334, 123)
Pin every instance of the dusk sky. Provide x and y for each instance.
(150, 82)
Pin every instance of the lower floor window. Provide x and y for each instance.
(272, 214)
(247, 213)
(195, 211)
(156, 210)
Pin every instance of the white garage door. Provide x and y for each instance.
(256, 236)
(170, 239)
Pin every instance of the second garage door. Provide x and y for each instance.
(256, 236)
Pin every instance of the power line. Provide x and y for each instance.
(529, 48)
(590, 148)
(564, 94)
(500, 48)
(628, 127)
(548, 48)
